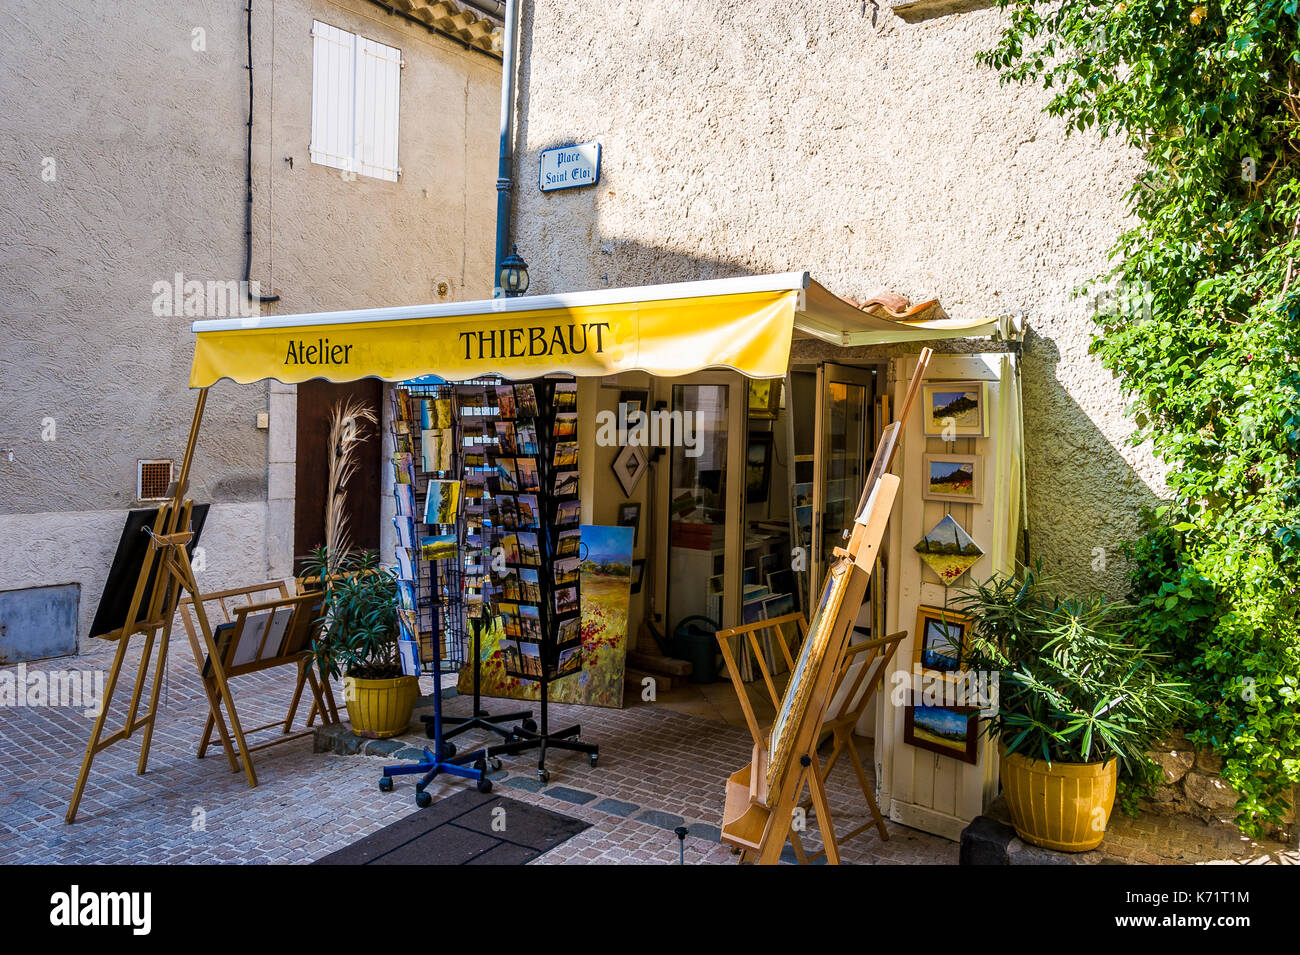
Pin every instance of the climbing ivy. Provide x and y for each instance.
(1202, 331)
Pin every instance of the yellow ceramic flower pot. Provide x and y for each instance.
(378, 709)
(1063, 806)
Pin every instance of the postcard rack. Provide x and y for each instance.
(529, 510)
(438, 611)
(430, 569)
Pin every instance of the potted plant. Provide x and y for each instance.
(357, 640)
(1079, 705)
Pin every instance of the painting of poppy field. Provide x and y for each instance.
(605, 588)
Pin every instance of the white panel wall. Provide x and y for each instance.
(923, 789)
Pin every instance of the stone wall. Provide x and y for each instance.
(753, 136)
(1191, 786)
(122, 163)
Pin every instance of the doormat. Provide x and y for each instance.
(460, 830)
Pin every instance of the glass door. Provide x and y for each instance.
(844, 431)
(697, 504)
(699, 501)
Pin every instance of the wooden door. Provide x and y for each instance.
(316, 399)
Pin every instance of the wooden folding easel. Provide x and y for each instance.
(859, 678)
(762, 798)
(164, 574)
(270, 646)
(855, 685)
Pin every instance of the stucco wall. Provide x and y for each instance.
(145, 137)
(772, 135)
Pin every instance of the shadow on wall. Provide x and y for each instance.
(1084, 495)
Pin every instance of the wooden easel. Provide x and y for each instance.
(860, 676)
(756, 820)
(759, 814)
(855, 685)
(164, 573)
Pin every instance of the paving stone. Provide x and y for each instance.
(616, 807)
(382, 747)
(703, 830)
(663, 820)
(566, 794)
(529, 784)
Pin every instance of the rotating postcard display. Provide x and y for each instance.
(521, 480)
(428, 494)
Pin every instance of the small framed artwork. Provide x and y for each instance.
(630, 466)
(953, 477)
(947, 730)
(632, 402)
(948, 550)
(638, 574)
(941, 636)
(758, 466)
(764, 398)
(955, 409)
(629, 515)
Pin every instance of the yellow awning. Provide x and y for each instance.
(744, 324)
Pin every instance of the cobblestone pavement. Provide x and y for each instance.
(658, 769)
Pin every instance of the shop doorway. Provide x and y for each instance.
(316, 399)
(845, 442)
(700, 501)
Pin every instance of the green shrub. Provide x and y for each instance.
(1204, 337)
(358, 623)
(1073, 685)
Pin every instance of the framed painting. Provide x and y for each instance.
(629, 515)
(947, 730)
(958, 478)
(940, 638)
(764, 398)
(955, 409)
(949, 550)
(758, 466)
(630, 466)
(632, 403)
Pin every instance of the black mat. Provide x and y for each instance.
(458, 831)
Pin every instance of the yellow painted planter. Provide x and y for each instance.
(1063, 806)
(378, 709)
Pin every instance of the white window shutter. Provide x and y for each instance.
(333, 96)
(379, 73)
(355, 102)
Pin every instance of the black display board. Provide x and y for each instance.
(123, 575)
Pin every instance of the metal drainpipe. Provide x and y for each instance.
(248, 175)
(493, 8)
(505, 157)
